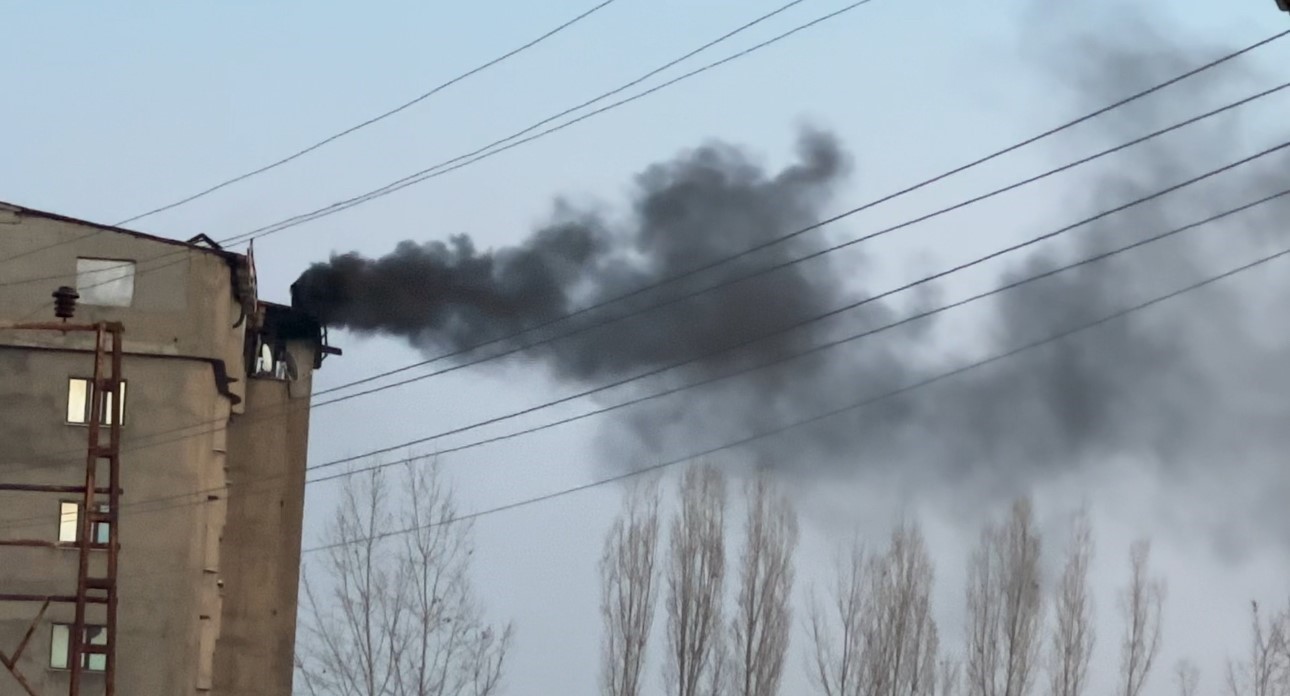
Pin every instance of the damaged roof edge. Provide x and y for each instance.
(22, 211)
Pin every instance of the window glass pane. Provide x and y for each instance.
(78, 410)
(59, 646)
(67, 520)
(107, 406)
(102, 528)
(96, 635)
(105, 282)
(77, 403)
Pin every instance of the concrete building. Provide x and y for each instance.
(214, 437)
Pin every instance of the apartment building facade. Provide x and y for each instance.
(214, 402)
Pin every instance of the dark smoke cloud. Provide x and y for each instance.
(1197, 388)
(709, 203)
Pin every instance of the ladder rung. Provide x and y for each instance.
(94, 649)
(108, 516)
(98, 583)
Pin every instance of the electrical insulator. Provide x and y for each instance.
(65, 302)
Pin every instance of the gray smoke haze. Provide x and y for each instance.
(1196, 388)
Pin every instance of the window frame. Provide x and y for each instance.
(101, 535)
(105, 413)
(89, 662)
(87, 294)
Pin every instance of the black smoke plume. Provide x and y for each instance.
(1196, 388)
(709, 203)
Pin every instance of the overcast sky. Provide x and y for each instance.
(117, 108)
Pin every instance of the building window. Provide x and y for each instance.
(78, 403)
(105, 282)
(61, 647)
(69, 524)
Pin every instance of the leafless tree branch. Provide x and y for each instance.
(629, 592)
(837, 660)
(1005, 608)
(1073, 633)
(1266, 671)
(695, 584)
(763, 616)
(1141, 604)
(401, 618)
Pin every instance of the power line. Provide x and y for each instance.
(336, 136)
(817, 418)
(412, 179)
(402, 107)
(492, 149)
(897, 194)
(864, 403)
(1103, 110)
(733, 347)
(300, 219)
(217, 424)
(911, 285)
(756, 273)
(755, 368)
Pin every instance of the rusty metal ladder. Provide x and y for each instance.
(100, 505)
(106, 383)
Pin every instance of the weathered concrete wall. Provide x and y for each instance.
(179, 631)
(164, 542)
(261, 546)
(183, 300)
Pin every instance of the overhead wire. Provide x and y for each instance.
(337, 136)
(797, 424)
(855, 406)
(502, 145)
(294, 221)
(764, 270)
(1249, 48)
(380, 117)
(798, 232)
(845, 308)
(218, 424)
(753, 368)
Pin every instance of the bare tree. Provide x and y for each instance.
(1187, 677)
(1005, 608)
(695, 585)
(629, 591)
(902, 641)
(763, 617)
(392, 613)
(838, 636)
(1267, 671)
(1073, 632)
(1140, 603)
(882, 639)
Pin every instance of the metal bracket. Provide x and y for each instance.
(11, 663)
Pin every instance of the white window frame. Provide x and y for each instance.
(61, 659)
(78, 403)
(69, 524)
(105, 282)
